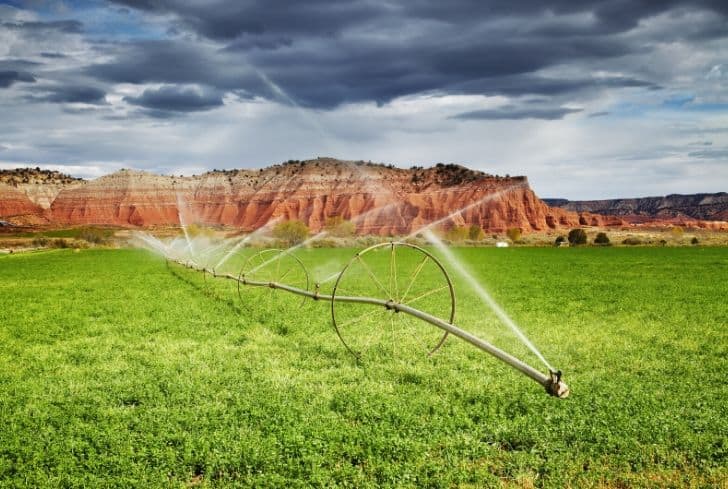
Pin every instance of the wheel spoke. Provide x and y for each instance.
(428, 293)
(375, 332)
(280, 279)
(413, 332)
(414, 277)
(374, 278)
(351, 321)
(393, 267)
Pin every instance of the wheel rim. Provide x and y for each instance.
(270, 265)
(403, 274)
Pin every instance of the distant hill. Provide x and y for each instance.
(379, 199)
(707, 207)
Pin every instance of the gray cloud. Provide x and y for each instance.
(172, 62)
(514, 113)
(361, 73)
(65, 26)
(227, 20)
(170, 99)
(364, 54)
(63, 94)
(710, 154)
(10, 77)
(52, 55)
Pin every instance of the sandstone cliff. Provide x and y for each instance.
(379, 199)
(16, 207)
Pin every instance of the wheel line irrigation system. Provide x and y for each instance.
(550, 380)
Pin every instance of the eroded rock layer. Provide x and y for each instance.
(15, 206)
(378, 199)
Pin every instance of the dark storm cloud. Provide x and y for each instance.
(324, 54)
(170, 99)
(53, 55)
(10, 77)
(514, 113)
(173, 62)
(321, 77)
(65, 94)
(228, 19)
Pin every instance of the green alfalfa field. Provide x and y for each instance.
(118, 370)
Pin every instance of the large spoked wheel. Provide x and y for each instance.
(400, 273)
(267, 266)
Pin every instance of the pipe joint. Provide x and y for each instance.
(555, 386)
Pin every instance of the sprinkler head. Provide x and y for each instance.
(557, 387)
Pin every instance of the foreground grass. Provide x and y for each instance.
(117, 371)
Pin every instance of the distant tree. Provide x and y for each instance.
(339, 227)
(291, 232)
(577, 237)
(475, 233)
(559, 240)
(514, 234)
(457, 234)
(694, 241)
(601, 239)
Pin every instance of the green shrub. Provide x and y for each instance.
(601, 239)
(457, 234)
(324, 243)
(475, 233)
(632, 241)
(60, 243)
(514, 234)
(339, 227)
(40, 241)
(577, 237)
(291, 232)
(694, 241)
(559, 240)
(94, 236)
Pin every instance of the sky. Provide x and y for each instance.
(589, 99)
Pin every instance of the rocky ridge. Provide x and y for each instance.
(709, 207)
(379, 199)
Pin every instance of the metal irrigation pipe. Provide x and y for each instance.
(551, 382)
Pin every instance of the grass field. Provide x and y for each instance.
(118, 371)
